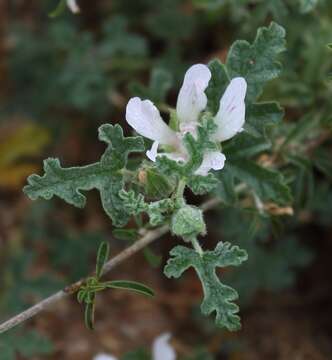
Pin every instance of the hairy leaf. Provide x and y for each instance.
(268, 184)
(105, 176)
(257, 62)
(217, 296)
(259, 116)
(201, 185)
(217, 85)
(245, 146)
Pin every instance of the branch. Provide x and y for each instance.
(145, 240)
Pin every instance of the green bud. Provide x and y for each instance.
(156, 185)
(188, 222)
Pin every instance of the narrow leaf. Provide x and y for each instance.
(130, 285)
(89, 315)
(102, 257)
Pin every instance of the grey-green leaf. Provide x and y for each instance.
(260, 116)
(105, 176)
(267, 183)
(217, 296)
(217, 85)
(257, 62)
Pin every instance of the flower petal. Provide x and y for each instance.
(231, 115)
(212, 160)
(72, 4)
(104, 357)
(153, 152)
(161, 349)
(192, 99)
(145, 118)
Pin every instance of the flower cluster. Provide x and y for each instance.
(144, 117)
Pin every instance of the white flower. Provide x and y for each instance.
(72, 4)
(212, 160)
(145, 118)
(104, 357)
(161, 350)
(231, 114)
(192, 99)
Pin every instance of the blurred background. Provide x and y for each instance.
(63, 77)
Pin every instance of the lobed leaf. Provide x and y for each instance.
(217, 296)
(105, 176)
(257, 62)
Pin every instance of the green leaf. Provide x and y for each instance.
(60, 8)
(105, 176)
(226, 188)
(217, 296)
(260, 116)
(27, 343)
(201, 185)
(130, 285)
(89, 314)
(135, 205)
(217, 85)
(125, 234)
(245, 146)
(157, 185)
(267, 183)
(158, 209)
(257, 62)
(102, 257)
(133, 202)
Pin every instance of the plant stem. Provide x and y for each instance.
(197, 246)
(145, 240)
(180, 189)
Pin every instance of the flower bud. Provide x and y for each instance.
(188, 222)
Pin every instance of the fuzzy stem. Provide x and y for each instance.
(180, 189)
(197, 246)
